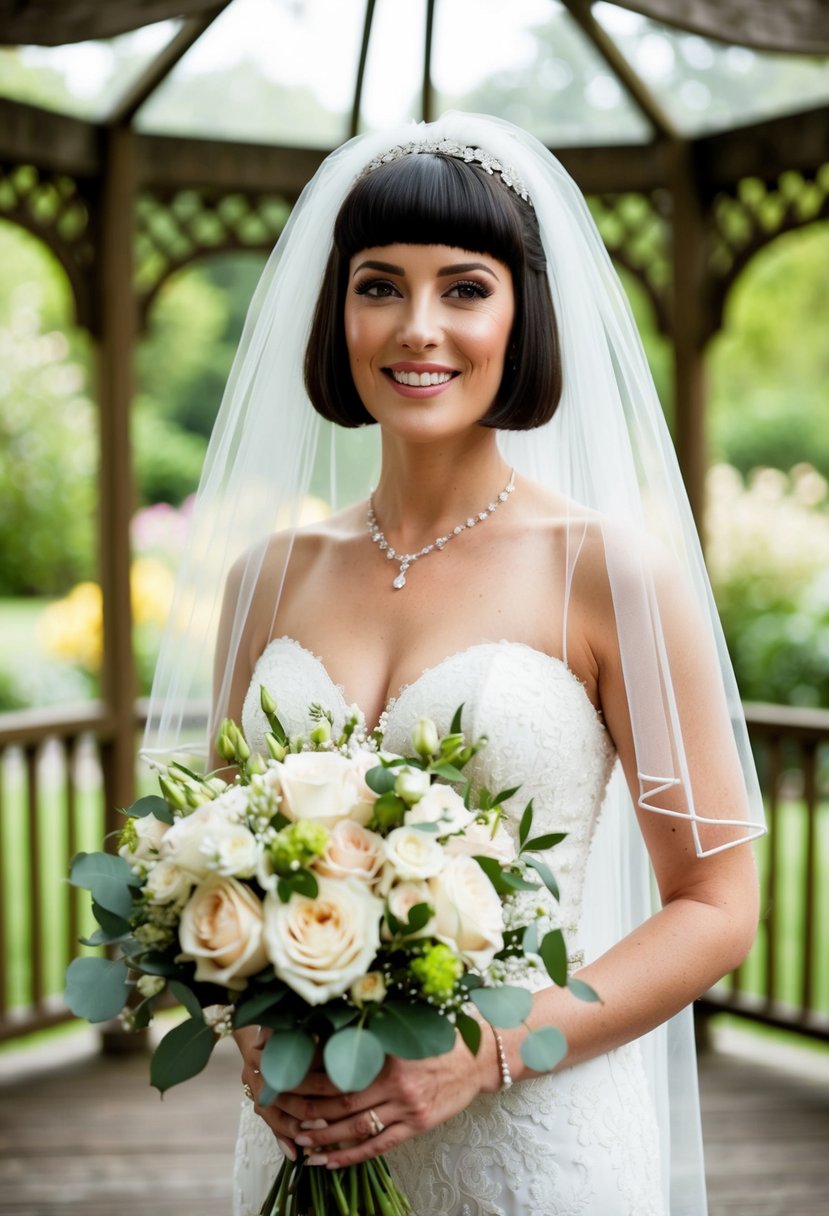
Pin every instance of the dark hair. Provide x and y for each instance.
(431, 199)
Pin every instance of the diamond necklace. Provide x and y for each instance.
(408, 559)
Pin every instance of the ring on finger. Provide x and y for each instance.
(247, 1091)
(377, 1124)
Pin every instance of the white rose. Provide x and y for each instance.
(232, 851)
(168, 883)
(478, 839)
(365, 796)
(413, 853)
(221, 931)
(443, 806)
(318, 786)
(149, 834)
(188, 841)
(411, 783)
(319, 947)
(405, 896)
(352, 852)
(468, 913)
(369, 989)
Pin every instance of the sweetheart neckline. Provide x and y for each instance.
(393, 702)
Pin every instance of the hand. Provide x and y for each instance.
(408, 1097)
(251, 1042)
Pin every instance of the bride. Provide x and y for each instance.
(526, 550)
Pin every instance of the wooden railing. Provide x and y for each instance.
(55, 799)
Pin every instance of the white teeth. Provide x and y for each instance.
(421, 379)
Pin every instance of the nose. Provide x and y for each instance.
(419, 324)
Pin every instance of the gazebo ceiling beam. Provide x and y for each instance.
(354, 125)
(59, 22)
(157, 71)
(801, 27)
(764, 149)
(427, 103)
(630, 81)
(55, 142)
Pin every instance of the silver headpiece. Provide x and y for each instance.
(448, 147)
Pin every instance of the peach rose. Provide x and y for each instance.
(352, 852)
(221, 931)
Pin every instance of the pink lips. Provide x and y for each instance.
(419, 390)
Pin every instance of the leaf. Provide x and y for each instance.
(151, 805)
(543, 1049)
(250, 1011)
(353, 1058)
(186, 997)
(514, 882)
(413, 1032)
(455, 728)
(286, 1058)
(554, 955)
(470, 1030)
(389, 810)
(181, 1054)
(529, 942)
(505, 1006)
(545, 842)
(447, 771)
(582, 990)
(339, 1015)
(153, 963)
(112, 928)
(526, 823)
(504, 795)
(380, 779)
(96, 988)
(545, 874)
(108, 877)
(418, 916)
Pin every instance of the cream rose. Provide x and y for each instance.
(352, 852)
(369, 989)
(221, 931)
(149, 835)
(319, 786)
(319, 947)
(468, 913)
(188, 842)
(478, 839)
(232, 851)
(168, 883)
(411, 784)
(405, 896)
(413, 853)
(443, 806)
(363, 808)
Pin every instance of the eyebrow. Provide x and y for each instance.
(459, 268)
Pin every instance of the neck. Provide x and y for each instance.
(426, 489)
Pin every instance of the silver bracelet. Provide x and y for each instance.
(503, 1063)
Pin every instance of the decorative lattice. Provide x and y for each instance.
(744, 221)
(57, 209)
(636, 230)
(175, 229)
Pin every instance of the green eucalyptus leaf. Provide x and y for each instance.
(545, 842)
(526, 824)
(582, 990)
(108, 877)
(186, 997)
(339, 1015)
(151, 805)
(381, 779)
(413, 1032)
(543, 1049)
(153, 963)
(96, 988)
(353, 1057)
(286, 1059)
(470, 1030)
(554, 955)
(389, 810)
(112, 928)
(544, 873)
(181, 1054)
(506, 1006)
(514, 882)
(249, 1012)
(529, 941)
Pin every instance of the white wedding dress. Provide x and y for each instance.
(584, 1141)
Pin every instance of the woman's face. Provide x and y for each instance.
(427, 328)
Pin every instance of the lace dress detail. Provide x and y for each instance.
(583, 1141)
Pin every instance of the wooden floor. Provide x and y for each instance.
(83, 1134)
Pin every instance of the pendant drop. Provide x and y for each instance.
(400, 581)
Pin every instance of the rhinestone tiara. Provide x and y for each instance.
(448, 147)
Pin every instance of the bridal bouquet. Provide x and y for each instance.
(354, 902)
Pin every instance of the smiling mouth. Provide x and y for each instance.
(420, 379)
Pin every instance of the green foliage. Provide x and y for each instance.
(181, 1054)
(353, 1058)
(96, 988)
(167, 459)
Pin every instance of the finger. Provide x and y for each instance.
(335, 1159)
(356, 1129)
(332, 1110)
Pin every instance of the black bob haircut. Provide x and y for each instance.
(432, 199)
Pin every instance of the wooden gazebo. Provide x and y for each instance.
(91, 191)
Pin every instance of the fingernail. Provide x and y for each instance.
(314, 1125)
(288, 1149)
(317, 1159)
(303, 1141)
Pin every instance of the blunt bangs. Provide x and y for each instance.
(429, 199)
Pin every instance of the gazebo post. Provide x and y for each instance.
(688, 258)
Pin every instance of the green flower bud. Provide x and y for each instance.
(321, 734)
(275, 749)
(437, 971)
(425, 739)
(215, 786)
(266, 701)
(240, 745)
(256, 765)
(224, 741)
(173, 793)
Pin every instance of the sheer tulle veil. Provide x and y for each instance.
(606, 450)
